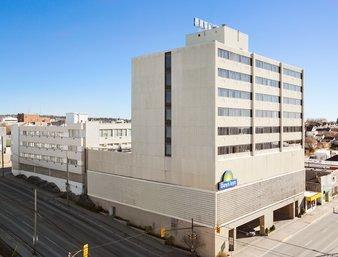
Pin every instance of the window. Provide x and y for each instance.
(292, 143)
(168, 97)
(292, 115)
(267, 98)
(168, 131)
(72, 161)
(167, 149)
(234, 112)
(292, 87)
(233, 56)
(72, 148)
(74, 133)
(267, 66)
(234, 75)
(106, 133)
(168, 113)
(294, 101)
(267, 114)
(268, 145)
(222, 150)
(222, 131)
(266, 130)
(292, 129)
(267, 82)
(292, 73)
(223, 92)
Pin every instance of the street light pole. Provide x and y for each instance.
(2, 156)
(35, 237)
(67, 183)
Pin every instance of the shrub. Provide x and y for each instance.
(266, 231)
(148, 229)
(272, 228)
(169, 240)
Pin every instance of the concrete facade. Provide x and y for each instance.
(217, 137)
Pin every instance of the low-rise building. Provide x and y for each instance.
(58, 153)
(32, 118)
(322, 181)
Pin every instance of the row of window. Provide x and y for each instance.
(231, 93)
(237, 112)
(259, 64)
(293, 129)
(292, 115)
(115, 132)
(267, 66)
(267, 82)
(267, 114)
(233, 56)
(294, 101)
(74, 133)
(234, 112)
(292, 73)
(234, 75)
(292, 143)
(223, 150)
(234, 93)
(292, 87)
(48, 158)
(42, 133)
(267, 98)
(267, 130)
(259, 80)
(267, 145)
(224, 131)
(47, 146)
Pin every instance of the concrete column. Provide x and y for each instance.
(291, 210)
(222, 241)
(268, 219)
(232, 239)
(261, 226)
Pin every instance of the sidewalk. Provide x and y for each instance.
(259, 245)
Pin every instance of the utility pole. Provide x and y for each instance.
(35, 237)
(193, 237)
(2, 156)
(67, 183)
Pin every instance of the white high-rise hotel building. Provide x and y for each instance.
(217, 136)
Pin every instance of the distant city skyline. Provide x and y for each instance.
(63, 56)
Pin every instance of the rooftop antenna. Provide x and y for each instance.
(203, 25)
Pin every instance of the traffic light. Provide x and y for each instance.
(85, 250)
(162, 232)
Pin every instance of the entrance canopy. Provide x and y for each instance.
(312, 196)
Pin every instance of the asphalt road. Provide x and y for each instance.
(318, 239)
(63, 229)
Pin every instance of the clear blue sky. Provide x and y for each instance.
(59, 56)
